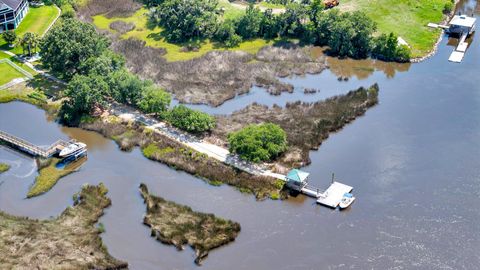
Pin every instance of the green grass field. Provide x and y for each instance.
(18, 63)
(37, 21)
(153, 37)
(8, 73)
(406, 18)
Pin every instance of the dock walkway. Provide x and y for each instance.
(31, 148)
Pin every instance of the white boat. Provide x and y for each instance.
(346, 201)
(74, 149)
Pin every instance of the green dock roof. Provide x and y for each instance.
(297, 175)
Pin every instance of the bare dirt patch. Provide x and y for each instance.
(307, 124)
(179, 225)
(69, 241)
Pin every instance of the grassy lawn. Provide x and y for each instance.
(406, 18)
(37, 21)
(8, 73)
(18, 63)
(154, 38)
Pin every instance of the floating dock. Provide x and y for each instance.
(461, 26)
(334, 194)
(298, 181)
(32, 149)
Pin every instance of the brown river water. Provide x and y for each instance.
(413, 161)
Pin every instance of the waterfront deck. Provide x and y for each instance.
(31, 148)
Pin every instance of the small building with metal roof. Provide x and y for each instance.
(462, 24)
(297, 179)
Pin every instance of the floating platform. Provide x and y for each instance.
(456, 57)
(334, 194)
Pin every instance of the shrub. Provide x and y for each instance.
(9, 36)
(191, 120)
(448, 7)
(258, 143)
(386, 47)
(154, 100)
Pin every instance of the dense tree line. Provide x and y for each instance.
(95, 75)
(348, 34)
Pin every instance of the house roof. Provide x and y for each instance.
(297, 175)
(461, 20)
(13, 4)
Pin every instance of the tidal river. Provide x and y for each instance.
(413, 160)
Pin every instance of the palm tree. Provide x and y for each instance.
(29, 42)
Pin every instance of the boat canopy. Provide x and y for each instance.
(297, 176)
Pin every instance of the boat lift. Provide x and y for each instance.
(462, 26)
(331, 197)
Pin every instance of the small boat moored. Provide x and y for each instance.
(73, 150)
(346, 201)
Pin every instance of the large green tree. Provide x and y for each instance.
(258, 143)
(350, 35)
(154, 100)
(9, 36)
(191, 120)
(29, 43)
(250, 22)
(83, 94)
(184, 20)
(66, 46)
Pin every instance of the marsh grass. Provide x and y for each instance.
(307, 124)
(48, 176)
(69, 241)
(160, 148)
(179, 225)
(4, 167)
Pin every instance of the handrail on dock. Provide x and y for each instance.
(32, 149)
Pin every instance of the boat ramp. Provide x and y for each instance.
(331, 197)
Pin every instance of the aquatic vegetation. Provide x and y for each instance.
(4, 167)
(163, 149)
(179, 225)
(48, 176)
(307, 124)
(69, 241)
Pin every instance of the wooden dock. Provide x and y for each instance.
(32, 149)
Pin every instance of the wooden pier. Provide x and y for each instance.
(32, 149)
